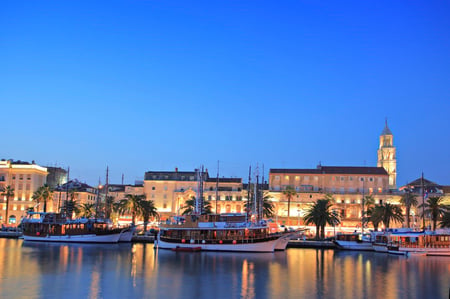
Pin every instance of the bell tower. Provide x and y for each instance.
(387, 157)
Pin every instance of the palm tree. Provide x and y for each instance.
(131, 204)
(289, 193)
(189, 207)
(434, 208)
(390, 212)
(86, 210)
(320, 214)
(8, 192)
(148, 210)
(38, 196)
(70, 204)
(408, 200)
(445, 220)
(47, 194)
(366, 206)
(375, 215)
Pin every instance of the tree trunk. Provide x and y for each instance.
(317, 232)
(7, 210)
(408, 209)
(289, 209)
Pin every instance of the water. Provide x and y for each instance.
(40, 270)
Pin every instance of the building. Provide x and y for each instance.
(170, 189)
(74, 190)
(387, 156)
(24, 178)
(57, 176)
(347, 184)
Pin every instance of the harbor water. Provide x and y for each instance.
(45, 270)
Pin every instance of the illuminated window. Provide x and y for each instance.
(297, 178)
(286, 177)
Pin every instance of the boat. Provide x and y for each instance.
(353, 241)
(219, 232)
(426, 243)
(127, 234)
(54, 227)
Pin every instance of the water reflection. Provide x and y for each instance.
(45, 270)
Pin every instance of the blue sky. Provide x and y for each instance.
(154, 85)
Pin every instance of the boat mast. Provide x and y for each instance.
(249, 200)
(256, 195)
(199, 199)
(67, 192)
(423, 202)
(217, 186)
(362, 211)
(106, 192)
(261, 201)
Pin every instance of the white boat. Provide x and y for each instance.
(226, 232)
(127, 234)
(353, 241)
(53, 227)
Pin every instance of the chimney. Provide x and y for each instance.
(176, 169)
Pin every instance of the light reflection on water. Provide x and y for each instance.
(45, 270)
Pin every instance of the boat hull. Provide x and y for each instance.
(283, 241)
(126, 235)
(88, 238)
(380, 247)
(354, 245)
(266, 246)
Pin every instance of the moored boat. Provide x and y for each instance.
(425, 243)
(353, 241)
(54, 227)
(226, 232)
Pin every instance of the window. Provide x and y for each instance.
(164, 206)
(165, 188)
(371, 179)
(350, 178)
(297, 178)
(238, 209)
(342, 178)
(361, 179)
(153, 188)
(286, 177)
(277, 177)
(209, 197)
(165, 196)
